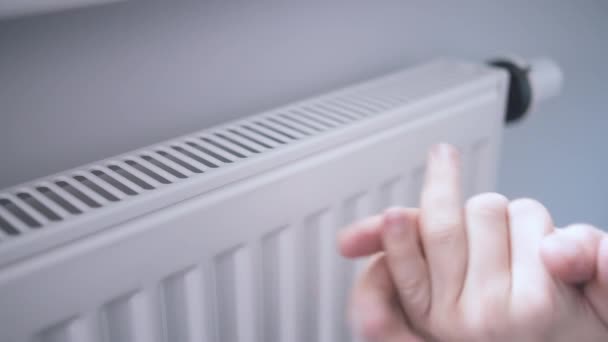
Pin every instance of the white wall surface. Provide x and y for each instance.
(85, 84)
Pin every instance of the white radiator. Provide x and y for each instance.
(228, 234)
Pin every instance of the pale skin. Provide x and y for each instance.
(487, 270)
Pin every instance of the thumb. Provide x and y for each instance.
(597, 290)
(570, 254)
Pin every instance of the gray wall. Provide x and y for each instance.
(86, 84)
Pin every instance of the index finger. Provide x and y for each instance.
(375, 312)
(364, 238)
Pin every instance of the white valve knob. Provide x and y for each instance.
(546, 79)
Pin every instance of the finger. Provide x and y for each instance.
(363, 238)
(570, 254)
(374, 311)
(441, 225)
(578, 254)
(529, 222)
(488, 241)
(597, 290)
(406, 262)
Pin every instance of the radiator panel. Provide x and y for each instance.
(252, 260)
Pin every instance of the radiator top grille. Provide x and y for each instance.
(58, 198)
(42, 203)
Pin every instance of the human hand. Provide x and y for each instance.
(483, 280)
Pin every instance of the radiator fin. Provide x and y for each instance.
(134, 318)
(272, 282)
(118, 319)
(236, 296)
(307, 277)
(72, 330)
(287, 263)
(327, 268)
(225, 269)
(353, 208)
(184, 303)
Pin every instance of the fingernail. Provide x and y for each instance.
(443, 150)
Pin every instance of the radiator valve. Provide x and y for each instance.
(530, 83)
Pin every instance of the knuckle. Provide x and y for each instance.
(443, 233)
(445, 325)
(485, 313)
(526, 206)
(480, 327)
(488, 204)
(538, 307)
(414, 294)
(438, 196)
(409, 284)
(586, 237)
(582, 230)
(530, 210)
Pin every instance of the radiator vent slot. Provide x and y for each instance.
(58, 200)
(114, 182)
(19, 213)
(194, 156)
(75, 193)
(223, 147)
(38, 206)
(155, 176)
(162, 166)
(236, 143)
(131, 177)
(7, 228)
(209, 152)
(96, 188)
